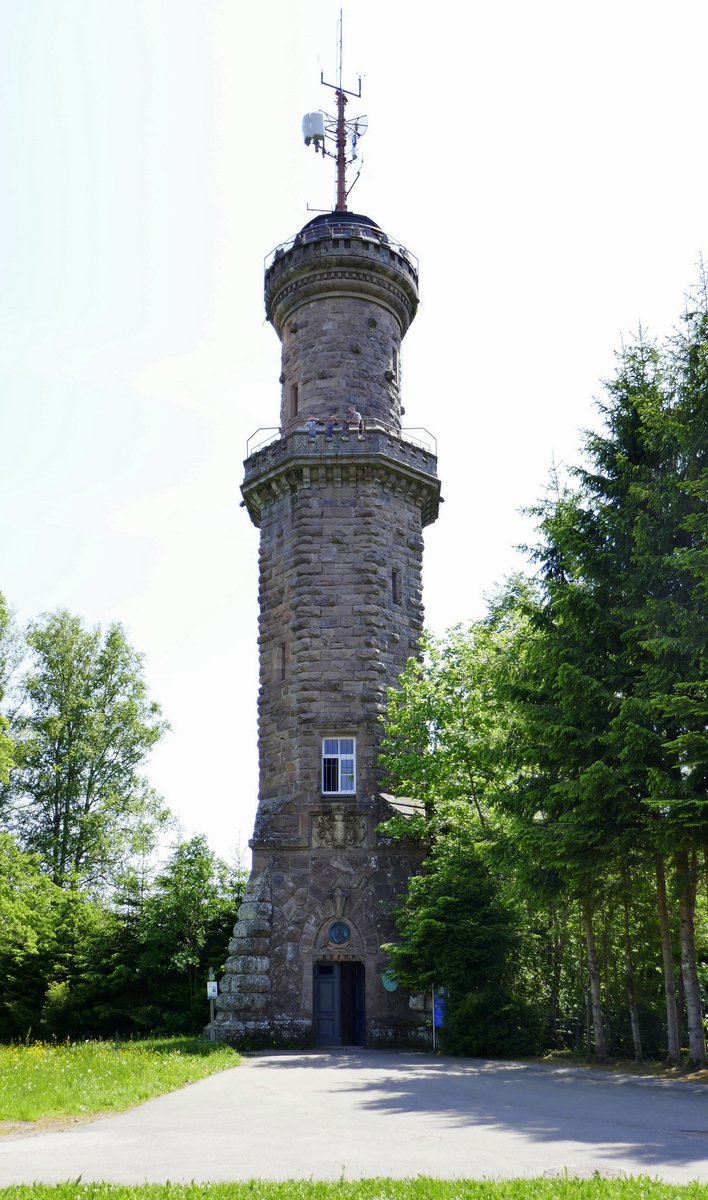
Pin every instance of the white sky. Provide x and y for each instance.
(545, 161)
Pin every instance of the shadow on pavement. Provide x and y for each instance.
(618, 1115)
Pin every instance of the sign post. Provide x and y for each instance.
(434, 1045)
(212, 993)
(439, 998)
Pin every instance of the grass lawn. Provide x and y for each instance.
(370, 1189)
(73, 1080)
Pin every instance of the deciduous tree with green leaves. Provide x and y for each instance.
(458, 926)
(83, 730)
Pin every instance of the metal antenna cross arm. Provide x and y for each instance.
(338, 87)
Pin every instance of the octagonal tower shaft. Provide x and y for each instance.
(341, 505)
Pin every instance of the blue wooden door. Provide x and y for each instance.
(327, 1021)
(339, 1016)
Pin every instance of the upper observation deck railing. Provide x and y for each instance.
(342, 228)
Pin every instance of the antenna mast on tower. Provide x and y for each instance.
(319, 128)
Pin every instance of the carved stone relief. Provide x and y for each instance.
(337, 829)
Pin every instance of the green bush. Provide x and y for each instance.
(490, 1024)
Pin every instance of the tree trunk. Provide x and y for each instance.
(559, 940)
(605, 972)
(629, 984)
(582, 1029)
(687, 908)
(672, 1025)
(594, 975)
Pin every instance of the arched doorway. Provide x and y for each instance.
(339, 1017)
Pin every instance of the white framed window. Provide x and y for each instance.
(338, 766)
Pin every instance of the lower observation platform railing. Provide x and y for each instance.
(266, 434)
(415, 435)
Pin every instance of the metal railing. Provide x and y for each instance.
(265, 434)
(270, 434)
(430, 446)
(338, 229)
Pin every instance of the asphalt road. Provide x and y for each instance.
(368, 1113)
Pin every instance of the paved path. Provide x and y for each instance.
(368, 1113)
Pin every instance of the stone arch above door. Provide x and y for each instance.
(351, 906)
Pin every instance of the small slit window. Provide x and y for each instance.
(396, 585)
(338, 766)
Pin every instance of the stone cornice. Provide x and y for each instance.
(292, 464)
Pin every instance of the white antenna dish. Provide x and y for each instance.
(357, 128)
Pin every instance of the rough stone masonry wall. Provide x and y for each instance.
(313, 888)
(281, 932)
(341, 613)
(244, 1003)
(343, 353)
(333, 636)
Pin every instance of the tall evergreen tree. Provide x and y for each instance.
(624, 607)
(589, 732)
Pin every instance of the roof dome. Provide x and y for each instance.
(337, 218)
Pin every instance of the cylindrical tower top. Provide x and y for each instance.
(341, 253)
(341, 295)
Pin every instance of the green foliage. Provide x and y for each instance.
(492, 1023)
(84, 728)
(445, 725)
(30, 922)
(90, 943)
(54, 946)
(7, 642)
(74, 966)
(80, 967)
(453, 927)
(573, 724)
(26, 898)
(184, 928)
(455, 930)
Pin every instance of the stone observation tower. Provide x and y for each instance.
(340, 507)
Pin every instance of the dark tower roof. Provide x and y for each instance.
(336, 218)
